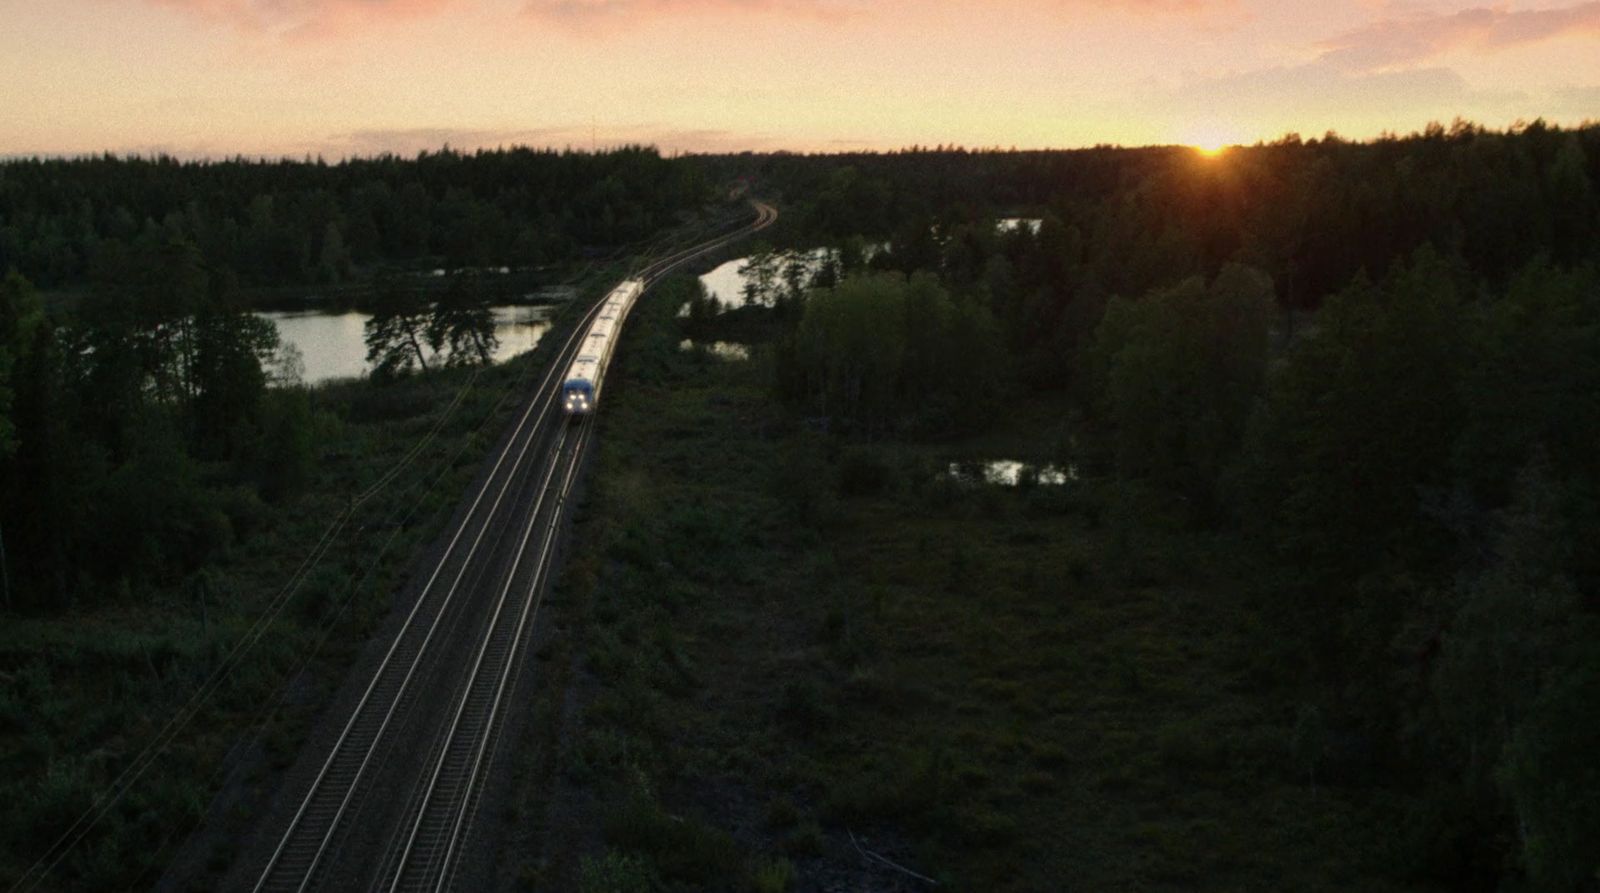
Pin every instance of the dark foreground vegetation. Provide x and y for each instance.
(158, 501)
(788, 649)
(1318, 611)
(163, 472)
(87, 690)
(139, 436)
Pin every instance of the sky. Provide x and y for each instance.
(211, 78)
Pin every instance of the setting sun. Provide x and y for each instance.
(1209, 138)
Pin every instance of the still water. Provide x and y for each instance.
(722, 350)
(1012, 224)
(1010, 473)
(725, 283)
(331, 346)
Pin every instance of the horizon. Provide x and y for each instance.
(363, 78)
(1211, 150)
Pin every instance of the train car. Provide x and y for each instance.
(580, 390)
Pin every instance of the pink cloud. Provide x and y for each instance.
(605, 15)
(610, 13)
(302, 19)
(1414, 38)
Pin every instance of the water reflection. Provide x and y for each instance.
(1010, 473)
(724, 350)
(1012, 224)
(726, 284)
(331, 345)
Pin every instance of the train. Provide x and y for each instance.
(580, 390)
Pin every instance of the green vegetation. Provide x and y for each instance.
(787, 640)
(1316, 612)
(137, 433)
(163, 474)
(792, 640)
(878, 352)
(87, 687)
(1316, 608)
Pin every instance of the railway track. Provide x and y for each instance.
(463, 633)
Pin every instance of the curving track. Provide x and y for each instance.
(390, 803)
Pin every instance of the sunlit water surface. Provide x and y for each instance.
(331, 345)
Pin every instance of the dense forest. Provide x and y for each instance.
(1372, 368)
(297, 222)
(138, 432)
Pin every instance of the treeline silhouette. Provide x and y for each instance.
(140, 437)
(298, 222)
(138, 434)
(1310, 213)
(1369, 373)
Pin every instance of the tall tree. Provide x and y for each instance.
(1179, 372)
(461, 326)
(397, 333)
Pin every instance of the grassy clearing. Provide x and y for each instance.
(782, 651)
(86, 691)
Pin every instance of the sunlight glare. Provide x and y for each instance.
(1209, 139)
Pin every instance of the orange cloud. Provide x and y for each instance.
(1399, 41)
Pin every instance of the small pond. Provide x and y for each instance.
(331, 345)
(1010, 472)
(722, 350)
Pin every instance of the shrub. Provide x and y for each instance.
(613, 872)
(774, 876)
(863, 472)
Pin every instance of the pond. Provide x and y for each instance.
(331, 345)
(1012, 224)
(722, 350)
(726, 284)
(1009, 472)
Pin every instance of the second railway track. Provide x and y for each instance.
(463, 634)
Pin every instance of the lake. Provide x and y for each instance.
(331, 344)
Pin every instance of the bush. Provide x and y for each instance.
(613, 873)
(775, 876)
(795, 485)
(802, 708)
(682, 849)
(863, 472)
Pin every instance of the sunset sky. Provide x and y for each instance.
(342, 77)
